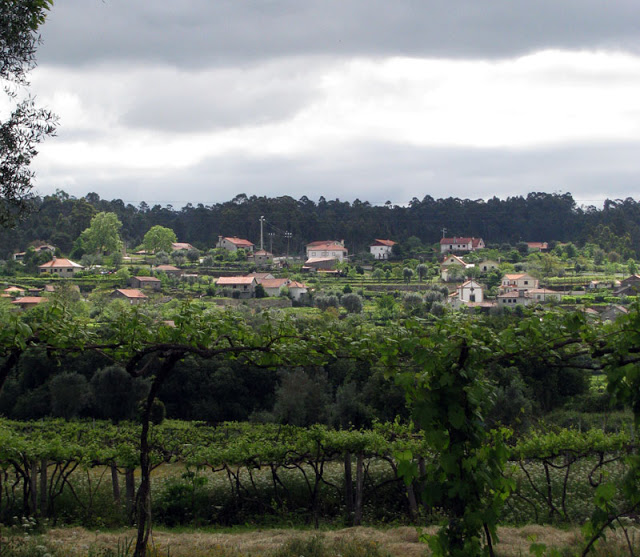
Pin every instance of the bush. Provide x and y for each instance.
(352, 303)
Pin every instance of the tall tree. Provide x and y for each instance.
(103, 234)
(159, 238)
(27, 126)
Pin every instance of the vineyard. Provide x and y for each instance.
(234, 473)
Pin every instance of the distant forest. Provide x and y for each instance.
(291, 224)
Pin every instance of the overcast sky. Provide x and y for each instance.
(197, 101)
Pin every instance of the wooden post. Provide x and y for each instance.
(115, 483)
(33, 485)
(348, 484)
(357, 515)
(44, 464)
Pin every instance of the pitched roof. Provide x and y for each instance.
(319, 260)
(273, 283)
(29, 300)
(327, 246)
(456, 259)
(132, 293)
(295, 284)
(261, 275)
(237, 241)
(181, 245)
(60, 263)
(14, 289)
(378, 242)
(235, 280)
(147, 279)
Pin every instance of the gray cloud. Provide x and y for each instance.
(193, 102)
(201, 33)
(381, 172)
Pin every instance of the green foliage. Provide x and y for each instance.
(159, 238)
(103, 234)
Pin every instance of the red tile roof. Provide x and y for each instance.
(131, 293)
(238, 241)
(378, 242)
(60, 263)
(235, 280)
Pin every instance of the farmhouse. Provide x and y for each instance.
(460, 244)
(518, 281)
(61, 267)
(381, 249)
(232, 243)
(27, 302)
(132, 295)
(244, 286)
(327, 249)
(272, 286)
(153, 283)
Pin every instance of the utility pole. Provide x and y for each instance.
(288, 235)
(271, 235)
(444, 231)
(261, 237)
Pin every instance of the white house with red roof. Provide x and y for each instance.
(460, 244)
(381, 249)
(297, 290)
(518, 281)
(233, 243)
(61, 267)
(272, 286)
(327, 249)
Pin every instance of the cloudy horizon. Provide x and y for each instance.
(196, 102)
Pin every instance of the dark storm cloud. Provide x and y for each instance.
(388, 172)
(203, 33)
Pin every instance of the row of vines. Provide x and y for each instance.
(556, 475)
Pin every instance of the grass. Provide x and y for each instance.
(348, 542)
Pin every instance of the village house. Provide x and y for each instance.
(466, 293)
(460, 244)
(513, 298)
(261, 276)
(537, 246)
(272, 286)
(488, 265)
(168, 270)
(14, 291)
(232, 243)
(320, 264)
(518, 281)
(381, 249)
(132, 295)
(297, 290)
(541, 295)
(38, 249)
(453, 262)
(244, 286)
(27, 302)
(262, 257)
(61, 267)
(153, 283)
(327, 249)
(628, 287)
